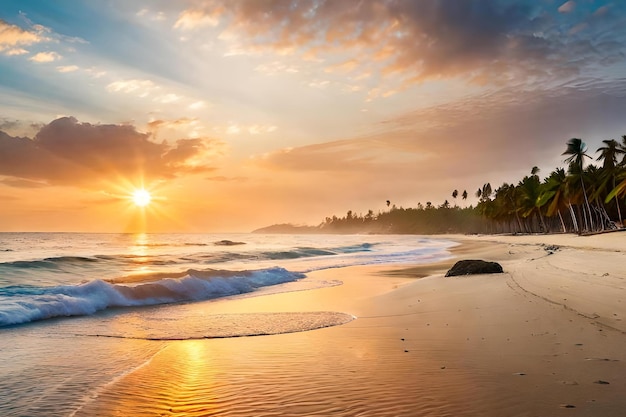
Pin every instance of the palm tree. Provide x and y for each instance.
(506, 198)
(597, 180)
(555, 192)
(535, 171)
(577, 151)
(622, 146)
(487, 191)
(620, 189)
(484, 193)
(455, 194)
(530, 192)
(608, 154)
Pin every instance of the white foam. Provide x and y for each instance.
(88, 298)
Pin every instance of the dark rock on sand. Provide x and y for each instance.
(474, 266)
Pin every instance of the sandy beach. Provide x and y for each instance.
(546, 338)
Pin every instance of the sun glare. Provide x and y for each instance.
(141, 198)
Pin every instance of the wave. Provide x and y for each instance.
(62, 263)
(27, 304)
(221, 326)
(307, 252)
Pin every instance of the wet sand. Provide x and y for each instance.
(546, 338)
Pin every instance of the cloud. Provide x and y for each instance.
(42, 57)
(192, 19)
(191, 126)
(276, 67)
(184, 122)
(464, 141)
(414, 41)
(237, 129)
(141, 88)
(7, 124)
(21, 183)
(68, 152)
(12, 37)
(95, 72)
(197, 105)
(167, 98)
(567, 7)
(68, 68)
(144, 88)
(155, 16)
(320, 84)
(221, 178)
(16, 51)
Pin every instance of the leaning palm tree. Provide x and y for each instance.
(577, 151)
(555, 193)
(608, 154)
(597, 180)
(619, 191)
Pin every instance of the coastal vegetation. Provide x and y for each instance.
(579, 198)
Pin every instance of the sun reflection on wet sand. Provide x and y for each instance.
(177, 382)
(336, 371)
(360, 368)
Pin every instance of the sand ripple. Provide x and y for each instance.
(307, 374)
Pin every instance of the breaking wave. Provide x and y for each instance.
(21, 304)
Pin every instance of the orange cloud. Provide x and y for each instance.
(464, 142)
(66, 151)
(12, 36)
(171, 124)
(480, 41)
(42, 57)
(192, 19)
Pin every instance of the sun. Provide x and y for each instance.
(141, 197)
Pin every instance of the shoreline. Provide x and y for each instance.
(544, 338)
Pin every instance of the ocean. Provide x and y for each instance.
(79, 311)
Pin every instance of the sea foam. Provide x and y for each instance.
(19, 306)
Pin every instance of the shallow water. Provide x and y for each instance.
(79, 334)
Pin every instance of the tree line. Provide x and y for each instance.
(581, 198)
(585, 198)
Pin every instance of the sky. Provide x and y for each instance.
(239, 114)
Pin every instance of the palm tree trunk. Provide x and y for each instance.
(562, 222)
(619, 212)
(573, 214)
(543, 223)
(586, 200)
(517, 224)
